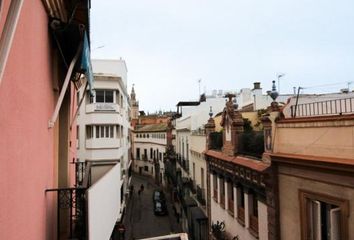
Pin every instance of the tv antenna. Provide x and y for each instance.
(279, 75)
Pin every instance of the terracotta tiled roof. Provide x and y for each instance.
(239, 160)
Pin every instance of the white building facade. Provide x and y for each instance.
(149, 148)
(103, 126)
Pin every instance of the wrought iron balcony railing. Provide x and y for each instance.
(328, 107)
(71, 201)
(80, 168)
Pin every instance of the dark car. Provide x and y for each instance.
(160, 208)
(159, 202)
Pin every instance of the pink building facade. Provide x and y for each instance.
(33, 156)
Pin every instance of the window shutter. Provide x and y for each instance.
(335, 223)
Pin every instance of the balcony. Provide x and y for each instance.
(71, 212)
(323, 108)
(91, 209)
(201, 195)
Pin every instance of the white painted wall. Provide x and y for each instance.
(110, 67)
(232, 226)
(149, 143)
(104, 205)
(109, 74)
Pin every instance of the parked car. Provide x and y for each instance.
(159, 201)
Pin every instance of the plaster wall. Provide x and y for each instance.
(27, 146)
(150, 162)
(330, 139)
(289, 204)
(104, 204)
(102, 154)
(111, 67)
(197, 146)
(232, 226)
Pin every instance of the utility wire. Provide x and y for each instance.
(326, 85)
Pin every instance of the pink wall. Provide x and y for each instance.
(27, 101)
(72, 137)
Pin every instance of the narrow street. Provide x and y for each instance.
(140, 221)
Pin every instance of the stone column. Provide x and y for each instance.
(235, 200)
(247, 208)
(209, 128)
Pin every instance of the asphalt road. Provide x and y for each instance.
(140, 221)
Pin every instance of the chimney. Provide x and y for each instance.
(256, 85)
(344, 90)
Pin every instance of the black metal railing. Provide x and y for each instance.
(71, 202)
(328, 107)
(201, 195)
(80, 168)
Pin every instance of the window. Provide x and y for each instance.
(222, 192)
(215, 185)
(323, 217)
(77, 136)
(111, 131)
(151, 151)
(230, 196)
(97, 131)
(137, 153)
(104, 96)
(101, 131)
(253, 214)
(241, 205)
(89, 131)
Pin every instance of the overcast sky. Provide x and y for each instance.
(169, 44)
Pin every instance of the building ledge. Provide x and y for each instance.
(251, 163)
(342, 164)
